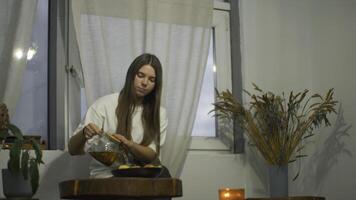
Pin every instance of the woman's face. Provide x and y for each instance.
(145, 80)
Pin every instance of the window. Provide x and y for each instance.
(31, 110)
(204, 124)
(217, 75)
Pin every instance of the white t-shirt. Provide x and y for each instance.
(102, 114)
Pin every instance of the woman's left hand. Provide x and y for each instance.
(123, 139)
(140, 152)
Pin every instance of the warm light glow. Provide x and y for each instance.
(231, 194)
(227, 194)
(30, 53)
(214, 68)
(18, 54)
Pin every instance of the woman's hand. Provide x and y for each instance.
(121, 138)
(91, 130)
(77, 142)
(141, 152)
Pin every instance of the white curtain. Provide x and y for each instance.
(111, 33)
(16, 21)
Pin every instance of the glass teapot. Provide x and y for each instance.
(107, 150)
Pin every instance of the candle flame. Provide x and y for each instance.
(227, 194)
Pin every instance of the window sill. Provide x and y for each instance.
(208, 144)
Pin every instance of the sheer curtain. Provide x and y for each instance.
(16, 21)
(112, 33)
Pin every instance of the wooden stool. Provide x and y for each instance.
(121, 188)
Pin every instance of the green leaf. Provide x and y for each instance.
(4, 133)
(316, 96)
(15, 153)
(296, 176)
(301, 156)
(247, 92)
(38, 151)
(15, 131)
(24, 164)
(256, 87)
(34, 175)
(308, 136)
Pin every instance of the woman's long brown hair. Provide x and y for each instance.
(151, 102)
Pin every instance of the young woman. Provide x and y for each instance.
(134, 116)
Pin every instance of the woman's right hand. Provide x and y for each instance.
(91, 130)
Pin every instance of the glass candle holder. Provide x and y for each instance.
(231, 194)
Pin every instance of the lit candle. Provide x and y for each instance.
(231, 194)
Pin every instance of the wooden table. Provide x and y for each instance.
(121, 188)
(290, 198)
(19, 199)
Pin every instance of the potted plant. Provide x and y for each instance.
(22, 167)
(277, 125)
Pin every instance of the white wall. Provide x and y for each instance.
(293, 45)
(59, 166)
(205, 172)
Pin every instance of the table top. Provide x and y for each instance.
(290, 198)
(19, 199)
(117, 187)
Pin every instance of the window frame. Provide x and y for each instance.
(60, 79)
(222, 60)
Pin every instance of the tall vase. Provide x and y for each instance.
(278, 180)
